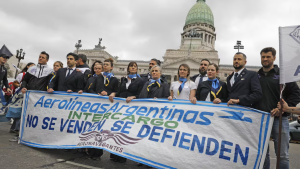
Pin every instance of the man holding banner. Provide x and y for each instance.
(68, 79)
(269, 80)
(38, 77)
(243, 85)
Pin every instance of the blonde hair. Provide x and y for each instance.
(60, 63)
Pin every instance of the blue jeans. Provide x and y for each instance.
(284, 152)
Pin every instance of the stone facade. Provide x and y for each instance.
(197, 42)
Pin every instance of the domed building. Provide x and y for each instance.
(197, 42)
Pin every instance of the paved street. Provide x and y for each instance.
(15, 156)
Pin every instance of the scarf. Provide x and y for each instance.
(183, 80)
(108, 76)
(53, 73)
(133, 76)
(152, 82)
(215, 87)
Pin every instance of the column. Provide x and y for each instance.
(172, 78)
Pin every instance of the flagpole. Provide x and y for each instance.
(280, 128)
(281, 103)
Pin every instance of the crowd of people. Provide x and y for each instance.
(259, 90)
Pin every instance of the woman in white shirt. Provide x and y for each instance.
(184, 88)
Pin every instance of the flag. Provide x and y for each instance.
(289, 45)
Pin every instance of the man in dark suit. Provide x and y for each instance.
(147, 77)
(243, 85)
(202, 76)
(68, 79)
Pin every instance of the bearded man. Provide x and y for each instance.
(243, 85)
(202, 76)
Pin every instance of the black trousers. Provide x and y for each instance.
(94, 152)
(116, 157)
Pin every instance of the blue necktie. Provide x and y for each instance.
(235, 76)
(201, 79)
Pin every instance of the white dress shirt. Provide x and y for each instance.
(71, 71)
(232, 78)
(198, 79)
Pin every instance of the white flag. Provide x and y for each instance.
(289, 44)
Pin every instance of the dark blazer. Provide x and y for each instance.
(146, 79)
(193, 78)
(99, 86)
(159, 92)
(205, 87)
(134, 89)
(86, 76)
(74, 82)
(89, 88)
(246, 88)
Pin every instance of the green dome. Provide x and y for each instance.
(200, 13)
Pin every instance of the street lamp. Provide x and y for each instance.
(192, 33)
(78, 45)
(19, 57)
(239, 46)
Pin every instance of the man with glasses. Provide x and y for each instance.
(202, 76)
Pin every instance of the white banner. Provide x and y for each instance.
(289, 44)
(158, 133)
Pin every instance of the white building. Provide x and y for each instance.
(197, 42)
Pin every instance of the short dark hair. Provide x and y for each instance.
(25, 68)
(157, 61)
(131, 64)
(82, 57)
(97, 61)
(240, 53)
(73, 54)
(111, 61)
(45, 53)
(268, 49)
(215, 65)
(205, 60)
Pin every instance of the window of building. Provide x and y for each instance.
(225, 74)
(121, 69)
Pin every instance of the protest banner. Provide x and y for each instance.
(289, 45)
(158, 133)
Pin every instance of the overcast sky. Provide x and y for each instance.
(139, 29)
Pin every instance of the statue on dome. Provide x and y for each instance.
(100, 39)
(99, 47)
